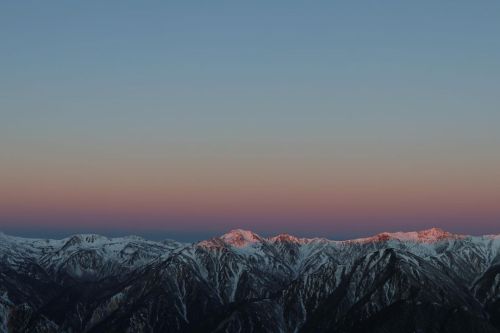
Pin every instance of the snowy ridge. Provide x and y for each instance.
(279, 284)
(425, 236)
(241, 238)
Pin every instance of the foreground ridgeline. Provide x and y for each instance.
(427, 281)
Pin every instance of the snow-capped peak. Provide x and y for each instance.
(240, 238)
(424, 236)
(80, 239)
(435, 234)
(282, 238)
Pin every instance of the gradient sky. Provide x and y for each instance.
(326, 118)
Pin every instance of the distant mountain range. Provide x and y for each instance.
(426, 281)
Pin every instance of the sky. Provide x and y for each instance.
(190, 118)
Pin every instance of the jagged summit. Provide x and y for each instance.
(88, 238)
(241, 238)
(435, 234)
(78, 240)
(424, 236)
(283, 238)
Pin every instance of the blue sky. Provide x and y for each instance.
(406, 88)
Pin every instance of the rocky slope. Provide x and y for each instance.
(427, 281)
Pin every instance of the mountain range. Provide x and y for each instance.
(425, 281)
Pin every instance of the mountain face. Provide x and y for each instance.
(427, 281)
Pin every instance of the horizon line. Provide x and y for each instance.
(268, 237)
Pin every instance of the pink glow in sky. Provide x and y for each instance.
(322, 120)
